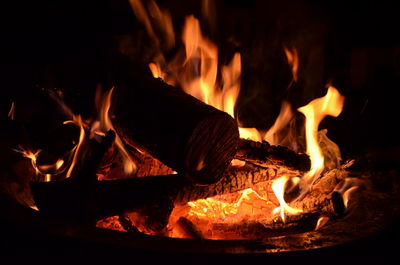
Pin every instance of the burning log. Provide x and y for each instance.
(107, 198)
(264, 154)
(191, 137)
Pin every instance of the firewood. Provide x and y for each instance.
(264, 154)
(112, 197)
(187, 135)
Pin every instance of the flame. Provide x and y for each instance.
(11, 112)
(347, 188)
(142, 16)
(331, 104)
(283, 119)
(323, 220)
(293, 61)
(156, 71)
(40, 170)
(52, 167)
(250, 133)
(31, 155)
(231, 84)
(278, 186)
(76, 119)
(105, 124)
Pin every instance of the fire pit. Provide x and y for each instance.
(183, 151)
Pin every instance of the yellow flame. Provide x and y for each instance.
(323, 220)
(32, 156)
(331, 104)
(250, 133)
(278, 186)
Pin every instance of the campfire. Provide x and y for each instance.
(167, 153)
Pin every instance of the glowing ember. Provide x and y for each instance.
(213, 208)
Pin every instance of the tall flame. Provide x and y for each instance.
(77, 149)
(331, 104)
(104, 104)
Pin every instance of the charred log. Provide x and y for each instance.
(264, 154)
(107, 198)
(191, 137)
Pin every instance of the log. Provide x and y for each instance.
(264, 154)
(187, 135)
(68, 198)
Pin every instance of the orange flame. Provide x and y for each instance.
(293, 60)
(76, 119)
(45, 171)
(11, 112)
(283, 119)
(104, 104)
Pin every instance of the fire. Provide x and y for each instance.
(217, 208)
(331, 104)
(212, 208)
(44, 171)
(77, 149)
(285, 116)
(202, 60)
(103, 103)
(250, 133)
(278, 186)
(293, 60)
(11, 111)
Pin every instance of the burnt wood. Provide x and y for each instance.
(92, 200)
(264, 154)
(187, 135)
